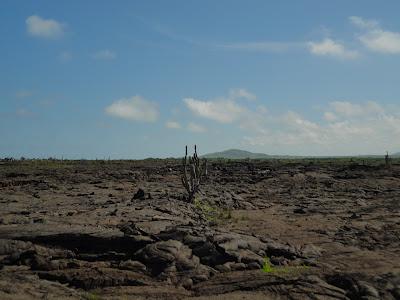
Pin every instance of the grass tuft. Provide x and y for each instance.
(268, 268)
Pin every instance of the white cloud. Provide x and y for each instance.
(329, 47)
(348, 109)
(223, 111)
(105, 54)
(262, 109)
(172, 125)
(375, 38)
(241, 93)
(294, 119)
(362, 23)
(193, 127)
(346, 127)
(300, 128)
(135, 108)
(363, 128)
(382, 41)
(44, 28)
(393, 122)
(349, 129)
(228, 110)
(329, 116)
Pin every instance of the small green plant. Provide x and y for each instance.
(91, 296)
(268, 268)
(208, 211)
(212, 213)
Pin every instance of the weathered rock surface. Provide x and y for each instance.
(329, 231)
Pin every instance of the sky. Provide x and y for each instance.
(137, 79)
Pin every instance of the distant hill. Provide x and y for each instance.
(242, 154)
(236, 154)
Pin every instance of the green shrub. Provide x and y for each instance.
(268, 268)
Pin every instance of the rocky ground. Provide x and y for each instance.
(122, 230)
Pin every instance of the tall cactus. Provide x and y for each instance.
(387, 160)
(191, 179)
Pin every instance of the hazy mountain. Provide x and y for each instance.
(236, 154)
(242, 154)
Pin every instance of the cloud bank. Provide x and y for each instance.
(343, 128)
(375, 38)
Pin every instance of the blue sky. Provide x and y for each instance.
(136, 79)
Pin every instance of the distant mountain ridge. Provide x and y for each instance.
(243, 154)
(236, 154)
